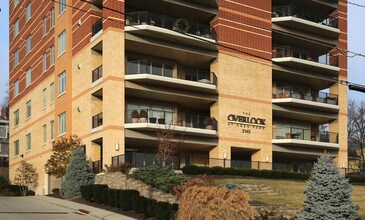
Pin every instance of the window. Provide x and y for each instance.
(28, 109)
(16, 117)
(28, 12)
(51, 55)
(44, 29)
(16, 28)
(44, 66)
(16, 57)
(52, 129)
(62, 123)
(16, 148)
(61, 83)
(61, 6)
(16, 2)
(44, 134)
(51, 18)
(16, 88)
(28, 44)
(28, 141)
(52, 91)
(44, 98)
(28, 77)
(62, 43)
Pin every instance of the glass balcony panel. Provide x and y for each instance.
(304, 134)
(157, 68)
(132, 67)
(168, 71)
(144, 66)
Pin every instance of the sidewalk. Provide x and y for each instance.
(94, 212)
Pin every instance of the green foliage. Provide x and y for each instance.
(231, 186)
(127, 198)
(98, 191)
(78, 173)
(105, 196)
(61, 153)
(270, 174)
(87, 192)
(356, 179)
(4, 182)
(328, 193)
(18, 190)
(163, 178)
(166, 211)
(146, 206)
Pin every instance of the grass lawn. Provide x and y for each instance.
(291, 192)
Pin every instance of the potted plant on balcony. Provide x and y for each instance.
(208, 123)
(153, 120)
(207, 33)
(161, 121)
(135, 116)
(143, 116)
(181, 25)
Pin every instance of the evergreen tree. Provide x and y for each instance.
(328, 194)
(78, 173)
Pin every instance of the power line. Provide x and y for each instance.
(356, 4)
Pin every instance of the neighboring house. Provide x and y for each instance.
(354, 158)
(4, 145)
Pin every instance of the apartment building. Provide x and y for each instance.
(249, 84)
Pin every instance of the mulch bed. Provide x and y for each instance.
(81, 200)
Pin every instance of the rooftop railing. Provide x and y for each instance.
(305, 134)
(304, 54)
(176, 24)
(307, 14)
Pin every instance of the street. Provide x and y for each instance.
(14, 208)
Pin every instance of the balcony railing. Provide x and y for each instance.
(98, 26)
(163, 69)
(168, 118)
(97, 166)
(305, 134)
(289, 51)
(176, 24)
(97, 73)
(306, 14)
(321, 97)
(97, 120)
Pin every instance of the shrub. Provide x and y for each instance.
(356, 178)
(122, 167)
(18, 190)
(30, 193)
(163, 178)
(78, 173)
(98, 190)
(105, 196)
(113, 197)
(218, 170)
(127, 198)
(56, 190)
(197, 181)
(4, 182)
(166, 211)
(214, 203)
(87, 192)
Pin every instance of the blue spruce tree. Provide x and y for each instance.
(78, 173)
(328, 194)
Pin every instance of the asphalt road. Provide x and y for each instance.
(20, 208)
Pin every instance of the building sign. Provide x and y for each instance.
(246, 121)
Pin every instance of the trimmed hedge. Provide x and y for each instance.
(130, 199)
(87, 192)
(356, 178)
(271, 174)
(16, 189)
(127, 198)
(98, 190)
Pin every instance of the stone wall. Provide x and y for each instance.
(117, 180)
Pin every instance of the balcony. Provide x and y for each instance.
(301, 97)
(97, 122)
(300, 137)
(96, 29)
(97, 75)
(176, 31)
(299, 58)
(163, 74)
(184, 122)
(305, 19)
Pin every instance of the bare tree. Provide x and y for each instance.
(25, 176)
(356, 129)
(5, 104)
(168, 142)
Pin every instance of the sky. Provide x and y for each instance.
(356, 36)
